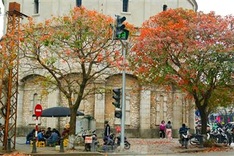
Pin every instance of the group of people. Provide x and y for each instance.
(51, 136)
(165, 130)
(108, 135)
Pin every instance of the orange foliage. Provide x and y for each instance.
(82, 31)
(191, 51)
(172, 38)
(81, 41)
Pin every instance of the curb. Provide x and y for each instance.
(192, 150)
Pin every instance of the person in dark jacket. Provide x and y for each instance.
(107, 131)
(183, 129)
(48, 133)
(30, 135)
(53, 139)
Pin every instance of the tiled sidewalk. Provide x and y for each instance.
(138, 146)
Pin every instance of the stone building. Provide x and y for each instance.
(146, 106)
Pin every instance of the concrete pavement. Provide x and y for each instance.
(138, 147)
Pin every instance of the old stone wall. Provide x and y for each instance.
(146, 106)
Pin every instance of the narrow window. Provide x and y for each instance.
(35, 100)
(164, 7)
(125, 5)
(78, 3)
(36, 6)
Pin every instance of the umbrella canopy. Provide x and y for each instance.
(58, 112)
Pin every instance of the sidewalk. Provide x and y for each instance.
(138, 147)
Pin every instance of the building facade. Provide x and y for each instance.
(146, 106)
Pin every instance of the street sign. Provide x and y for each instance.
(38, 110)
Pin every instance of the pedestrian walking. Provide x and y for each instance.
(107, 132)
(162, 129)
(169, 130)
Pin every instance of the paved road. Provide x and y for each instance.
(144, 147)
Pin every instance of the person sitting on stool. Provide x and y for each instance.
(53, 139)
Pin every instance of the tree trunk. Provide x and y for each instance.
(72, 130)
(204, 119)
(73, 122)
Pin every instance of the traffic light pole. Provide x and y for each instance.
(124, 50)
(120, 33)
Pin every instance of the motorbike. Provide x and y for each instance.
(91, 141)
(219, 135)
(184, 138)
(80, 137)
(229, 131)
(195, 139)
(115, 141)
(127, 145)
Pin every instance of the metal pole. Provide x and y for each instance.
(9, 145)
(124, 49)
(61, 145)
(34, 147)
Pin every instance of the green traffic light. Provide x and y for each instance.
(123, 35)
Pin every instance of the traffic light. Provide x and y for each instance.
(117, 97)
(120, 32)
(118, 113)
(117, 102)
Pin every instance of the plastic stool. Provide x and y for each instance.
(65, 142)
(41, 144)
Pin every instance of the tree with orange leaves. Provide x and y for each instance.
(78, 44)
(191, 51)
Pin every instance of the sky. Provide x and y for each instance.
(1, 19)
(221, 7)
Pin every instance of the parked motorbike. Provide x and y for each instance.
(91, 140)
(195, 139)
(80, 137)
(114, 141)
(229, 128)
(127, 145)
(184, 138)
(219, 135)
